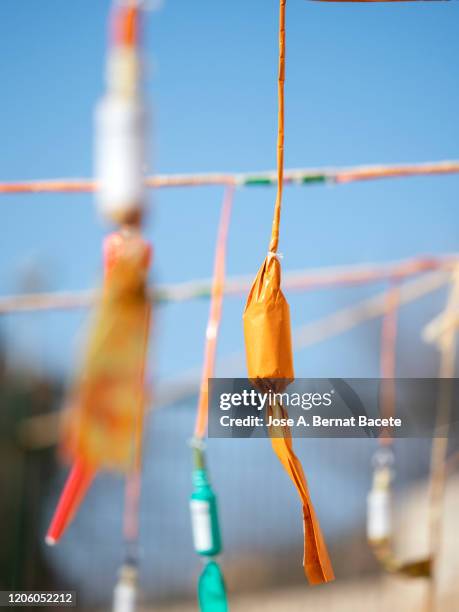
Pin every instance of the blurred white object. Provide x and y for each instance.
(378, 516)
(120, 124)
(201, 525)
(125, 592)
(379, 519)
(120, 156)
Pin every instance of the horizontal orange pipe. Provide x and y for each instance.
(334, 175)
(347, 1)
(305, 280)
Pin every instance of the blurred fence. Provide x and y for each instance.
(260, 513)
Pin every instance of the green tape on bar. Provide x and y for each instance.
(263, 180)
(258, 180)
(314, 178)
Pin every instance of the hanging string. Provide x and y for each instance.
(215, 313)
(379, 499)
(438, 465)
(388, 358)
(280, 131)
(211, 589)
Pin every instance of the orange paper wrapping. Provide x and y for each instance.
(267, 331)
(104, 420)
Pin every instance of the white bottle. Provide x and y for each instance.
(125, 592)
(120, 135)
(379, 519)
(201, 525)
(120, 156)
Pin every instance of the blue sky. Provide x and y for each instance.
(365, 84)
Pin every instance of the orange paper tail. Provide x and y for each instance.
(78, 482)
(317, 564)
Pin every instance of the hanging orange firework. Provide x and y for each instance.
(104, 421)
(104, 418)
(269, 355)
(106, 406)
